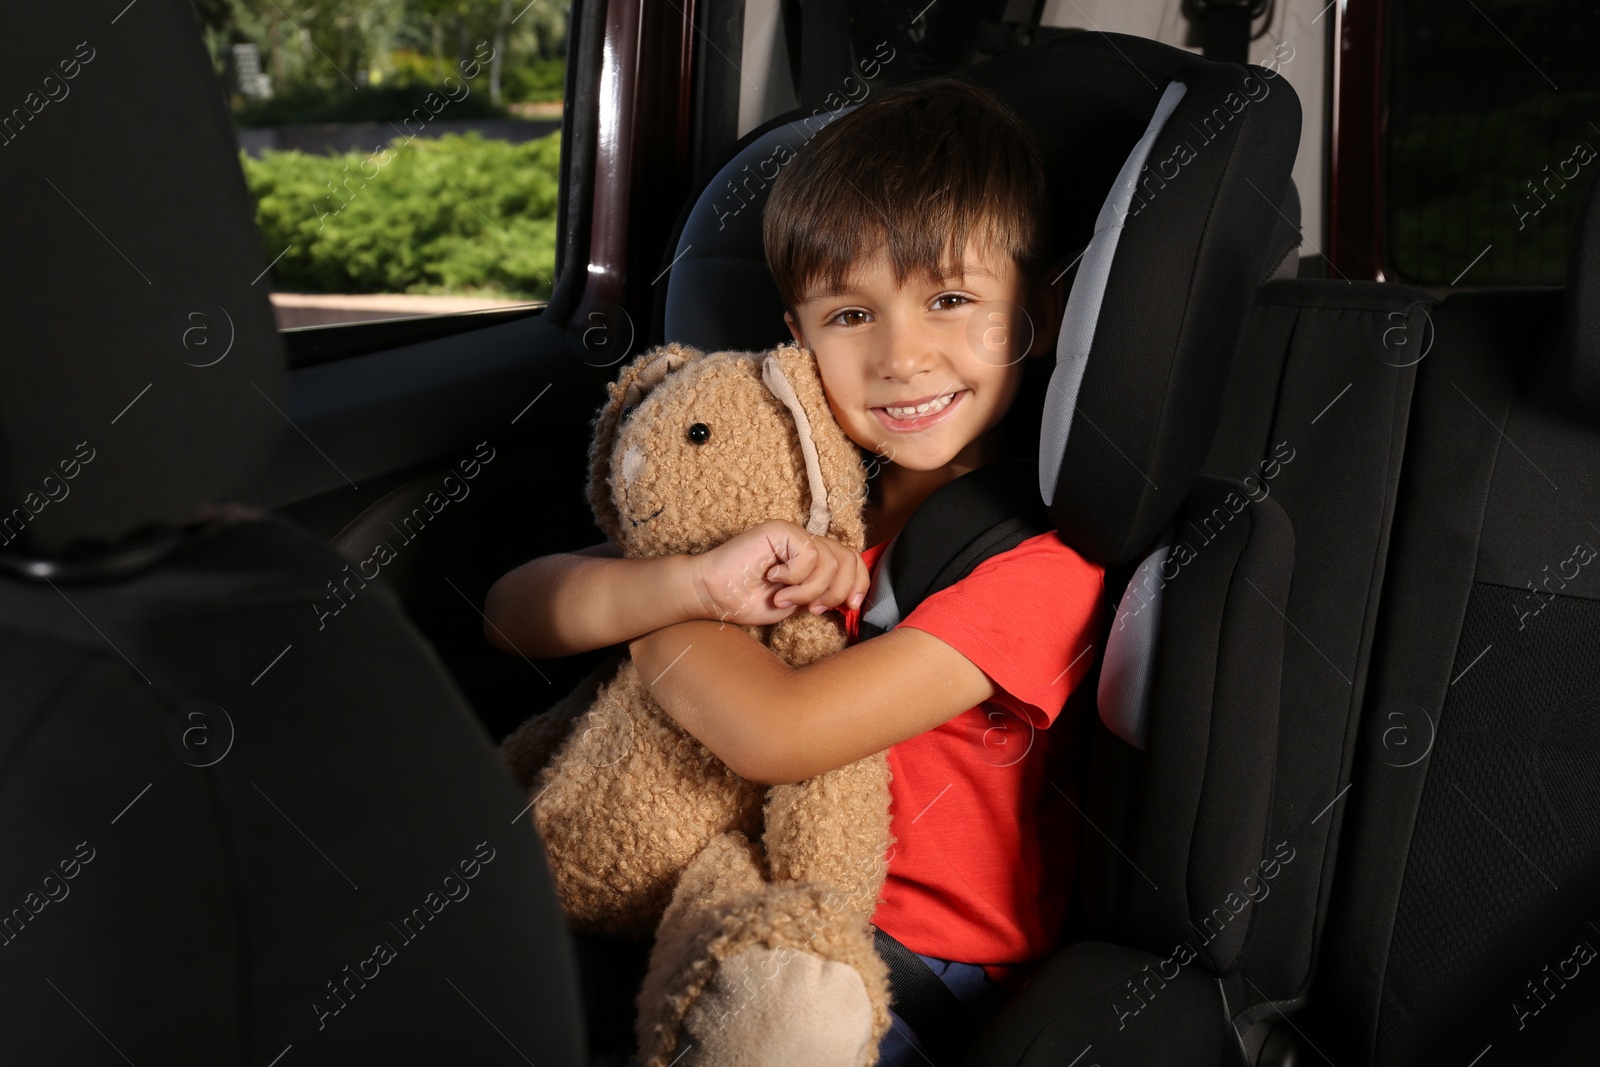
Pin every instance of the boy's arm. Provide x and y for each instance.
(575, 601)
(774, 724)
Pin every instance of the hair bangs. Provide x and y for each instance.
(872, 183)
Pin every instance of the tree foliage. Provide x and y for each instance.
(335, 45)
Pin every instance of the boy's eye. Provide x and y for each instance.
(938, 301)
(699, 433)
(844, 317)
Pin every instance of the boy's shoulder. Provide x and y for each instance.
(1043, 556)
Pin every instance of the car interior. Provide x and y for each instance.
(1339, 766)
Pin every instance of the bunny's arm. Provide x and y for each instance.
(774, 724)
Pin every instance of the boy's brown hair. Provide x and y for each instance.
(920, 170)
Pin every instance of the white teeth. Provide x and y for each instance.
(936, 404)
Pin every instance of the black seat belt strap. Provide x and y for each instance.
(941, 1022)
(962, 523)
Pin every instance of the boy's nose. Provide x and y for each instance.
(907, 351)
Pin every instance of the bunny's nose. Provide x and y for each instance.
(632, 461)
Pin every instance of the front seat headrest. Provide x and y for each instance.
(144, 376)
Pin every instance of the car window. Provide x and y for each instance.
(1493, 134)
(403, 154)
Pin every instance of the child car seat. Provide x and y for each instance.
(1169, 269)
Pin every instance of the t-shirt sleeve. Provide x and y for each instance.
(1028, 618)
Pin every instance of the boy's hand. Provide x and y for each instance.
(768, 572)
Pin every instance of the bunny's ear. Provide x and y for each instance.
(833, 462)
(632, 385)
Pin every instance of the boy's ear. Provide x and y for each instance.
(794, 328)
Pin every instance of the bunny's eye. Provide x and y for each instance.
(628, 410)
(699, 433)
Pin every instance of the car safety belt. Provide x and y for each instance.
(940, 1021)
(962, 523)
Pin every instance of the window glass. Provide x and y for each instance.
(403, 154)
(1493, 133)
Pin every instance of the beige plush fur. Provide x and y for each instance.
(649, 833)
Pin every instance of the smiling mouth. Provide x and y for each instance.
(648, 517)
(911, 419)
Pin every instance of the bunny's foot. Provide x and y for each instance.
(775, 1007)
(761, 975)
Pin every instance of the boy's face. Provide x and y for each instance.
(921, 373)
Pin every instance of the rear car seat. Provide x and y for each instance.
(1477, 782)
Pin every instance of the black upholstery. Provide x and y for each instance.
(178, 367)
(1487, 654)
(1313, 424)
(1096, 1003)
(1317, 415)
(243, 859)
(1581, 336)
(247, 818)
(1201, 826)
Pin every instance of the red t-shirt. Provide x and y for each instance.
(982, 867)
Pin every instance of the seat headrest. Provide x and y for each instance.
(1582, 337)
(143, 375)
(719, 293)
(1196, 156)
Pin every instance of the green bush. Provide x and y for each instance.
(458, 214)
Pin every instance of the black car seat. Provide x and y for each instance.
(1156, 312)
(246, 816)
(1476, 793)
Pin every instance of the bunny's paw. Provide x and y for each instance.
(776, 1007)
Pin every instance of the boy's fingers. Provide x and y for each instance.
(863, 582)
(845, 578)
(839, 590)
(815, 583)
(796, 558)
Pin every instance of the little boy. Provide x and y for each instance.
(908, 244)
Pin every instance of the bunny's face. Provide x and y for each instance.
(693, 448)
(703, 455)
